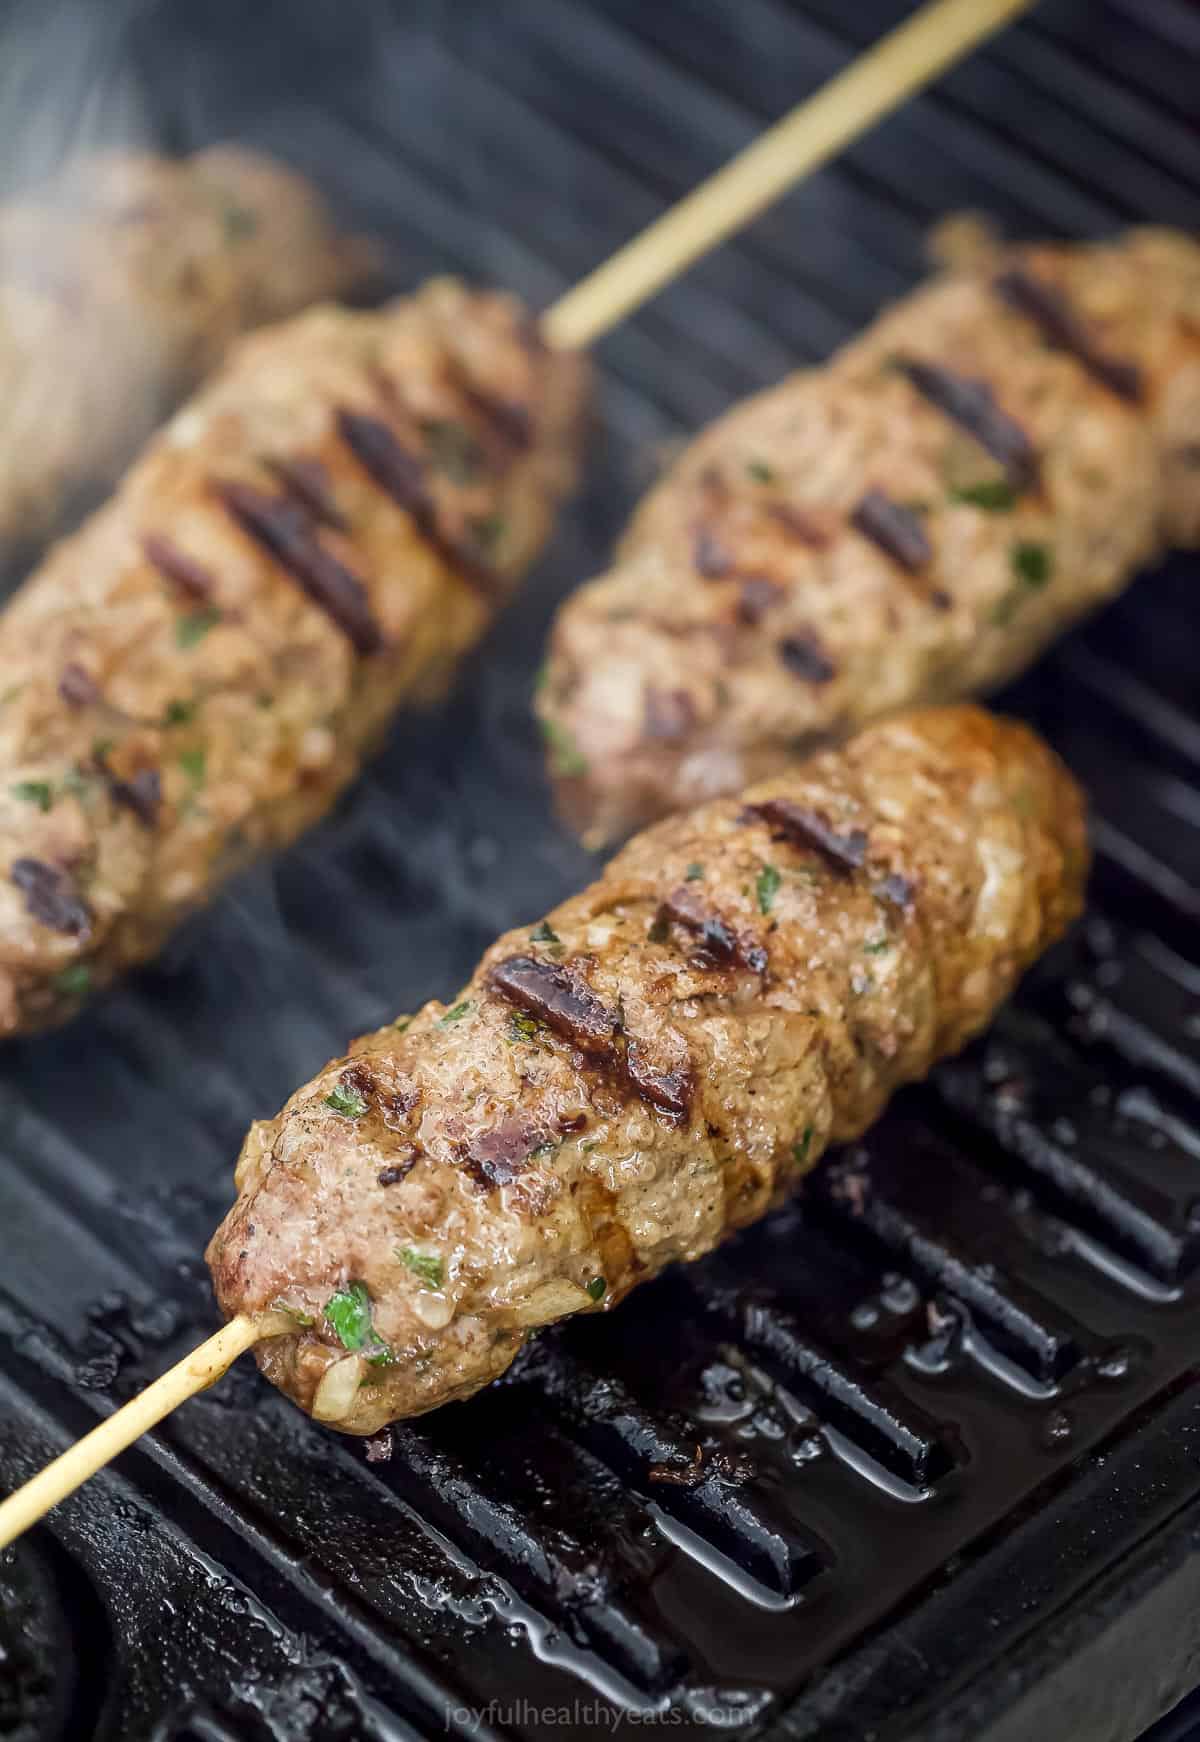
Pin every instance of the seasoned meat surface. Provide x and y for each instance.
(991, 460)
(315, 538)
(123, 284)
(652, 1066)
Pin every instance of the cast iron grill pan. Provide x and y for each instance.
(921, 1456)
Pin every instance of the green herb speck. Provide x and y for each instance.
(73, 981)
(876, 946)
(522, 1027)
(193, 764)
(453, 449)
(345, 1099)
(760, 471)
(455, 1013)
(401, 1023)
(1033, 564)
(427, 1265)
(240, 222)
(767, 887)
(544, 934)
(349, 1312)
(488, 531)
(195, 626)
(38, 792)
(660, 929)
(800, 1150)
(694, 872)
(993, 495)
(179, 713)
(297, 1313)
(565, 757)
(595, 1288)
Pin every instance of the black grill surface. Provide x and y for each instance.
(921, 1456)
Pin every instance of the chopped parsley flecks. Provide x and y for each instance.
(427, 1265)
(349, 1312)
(401, 1023)
(455, 1013)
(240, 222)
(179, 713)
(565, 756)
(800, 1150)
(73, 981)
(453, 449)
(544, 934)
(876, 946)
(193, 764)
(767, 888)
(522, 1027)
(760, 471)
(488, 531)
(195, 626)
(345, 1099)
(595, 1288)
(1033, 564)
(694, 872)
(101, 748)
(993, 495)
(38, 792)
(297, 1313)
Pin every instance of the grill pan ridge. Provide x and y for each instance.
(920, 1457)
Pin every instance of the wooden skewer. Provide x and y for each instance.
(877, 82)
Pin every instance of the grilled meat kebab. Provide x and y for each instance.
(316, 537)
(992, 459)
(121, 286)
(649, 1068)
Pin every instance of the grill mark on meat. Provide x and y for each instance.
(284, 528)
(896, 889)
(508, 419)
(804, 655)
(807, 828)
(398, 1170)
(670, 1091)
(1050, 310)
(718, 945)
(972, 404)
(895, 529)
(305, 478)
(52, 896)
(501, 1155)
(756, 596)
(799, 525)
(712, 558)
(566, 1004)
(568, 1007)
(183, 571)
(142, 794)
(77, 687)
(668, 714)
(401, 475)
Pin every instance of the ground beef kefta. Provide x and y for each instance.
(992, 459)
(653, 1065)
(121, 285)
(315, 538)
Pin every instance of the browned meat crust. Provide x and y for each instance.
(315, 538)
(652, 1066)
(121, 287)
(992, 459)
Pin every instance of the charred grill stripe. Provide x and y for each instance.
(568, 1007)
(804, 655)
(284, 528)
(402, 476)
(183, 571)
(1049, 309)
(895, 529)
(52, 896)
(306, 478)
(806, 828)
(142, 794)
(508, 419)
(721, 946)
(799, 525)
(565, 1003)
(972, 404)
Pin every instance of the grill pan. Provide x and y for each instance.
(948, 1482)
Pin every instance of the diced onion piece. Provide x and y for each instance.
(338, 1389)
(554, 1300)
(433, 1310)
